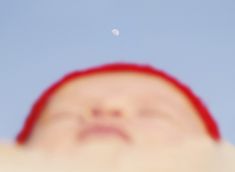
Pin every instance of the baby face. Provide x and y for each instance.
(127, 108)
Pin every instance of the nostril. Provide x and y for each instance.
(96, 112)
(116, 113)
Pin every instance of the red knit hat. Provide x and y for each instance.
(38, 106)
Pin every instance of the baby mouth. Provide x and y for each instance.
(100, 130)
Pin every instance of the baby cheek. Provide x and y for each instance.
(56, 133)
(150, 124)
(155, 131)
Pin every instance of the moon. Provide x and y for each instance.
(115, 32)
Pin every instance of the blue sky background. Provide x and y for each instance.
(41, 40)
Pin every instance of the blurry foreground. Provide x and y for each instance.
(203, 156)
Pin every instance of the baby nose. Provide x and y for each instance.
(103, 113)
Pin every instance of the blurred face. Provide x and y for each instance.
(122, 108)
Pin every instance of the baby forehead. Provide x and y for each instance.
(128, 83)
(122, 87)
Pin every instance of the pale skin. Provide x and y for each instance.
(146, 110)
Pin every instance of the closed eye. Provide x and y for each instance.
(147, 112)
(61, 116)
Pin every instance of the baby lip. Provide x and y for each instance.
(103, 130)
